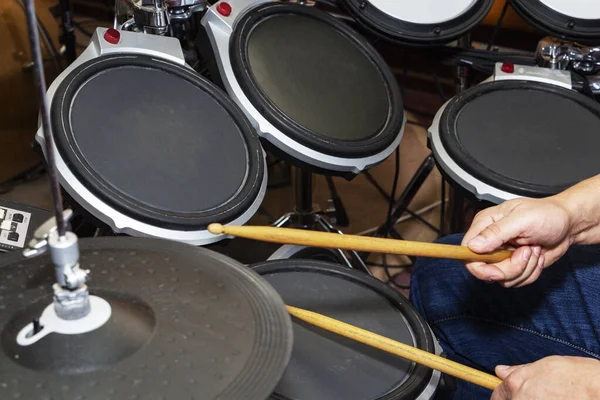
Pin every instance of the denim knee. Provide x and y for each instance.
(436, 281)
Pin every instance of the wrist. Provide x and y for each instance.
(580, 216)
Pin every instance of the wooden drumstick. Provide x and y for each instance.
(357, 243)
(399, 349)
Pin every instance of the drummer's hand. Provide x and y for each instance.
(551, 378)
(538, 227)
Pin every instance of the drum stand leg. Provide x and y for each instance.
(306, 217)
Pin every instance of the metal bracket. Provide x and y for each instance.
(556, 54)
(39, 244)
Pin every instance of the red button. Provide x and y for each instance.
(508, 68)
(224, 9)
(112, 36)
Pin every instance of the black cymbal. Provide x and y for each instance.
(186, 323)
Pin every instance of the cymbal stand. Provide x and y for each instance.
(305, 216)
(71, 309)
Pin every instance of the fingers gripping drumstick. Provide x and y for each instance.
(399, 349)
(357, 243)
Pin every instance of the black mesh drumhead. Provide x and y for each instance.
(527, 138)
(419, 23)
(569, 19)
(327, 366)
(157, 142)
(316, 80)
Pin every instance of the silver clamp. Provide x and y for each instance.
(39, 244)
(151, 16)
(71, 297)
(186, 3)
(555, 54)
(64, 251)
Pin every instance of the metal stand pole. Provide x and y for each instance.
(304, 192)
(305, 217)
(67, 37)
(456, 197)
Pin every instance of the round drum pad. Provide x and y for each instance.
(530, 139)
(568, 19)
(421, 23)
(327, 366)
(157, 142)
(316, 80)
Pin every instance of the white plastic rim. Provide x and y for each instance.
(582, 9)
(100, 312)
(428, 11)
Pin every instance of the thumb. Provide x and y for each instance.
(495, 235)
(502, 371)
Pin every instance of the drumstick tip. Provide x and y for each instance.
(216, 229)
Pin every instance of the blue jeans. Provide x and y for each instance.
(483, 325)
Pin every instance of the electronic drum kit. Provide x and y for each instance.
(144, 144)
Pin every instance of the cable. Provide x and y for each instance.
(392, 278)
(423, 221)
(582, 84)
(483, 60)
(329, 3)
(417, 124)
(341, 216)
(274, 163)
(404, 218)
(391, 281)
(388, 221)
(438, 85)
(29, 175)
(386, 268)
(497, 26)
(388, 198)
